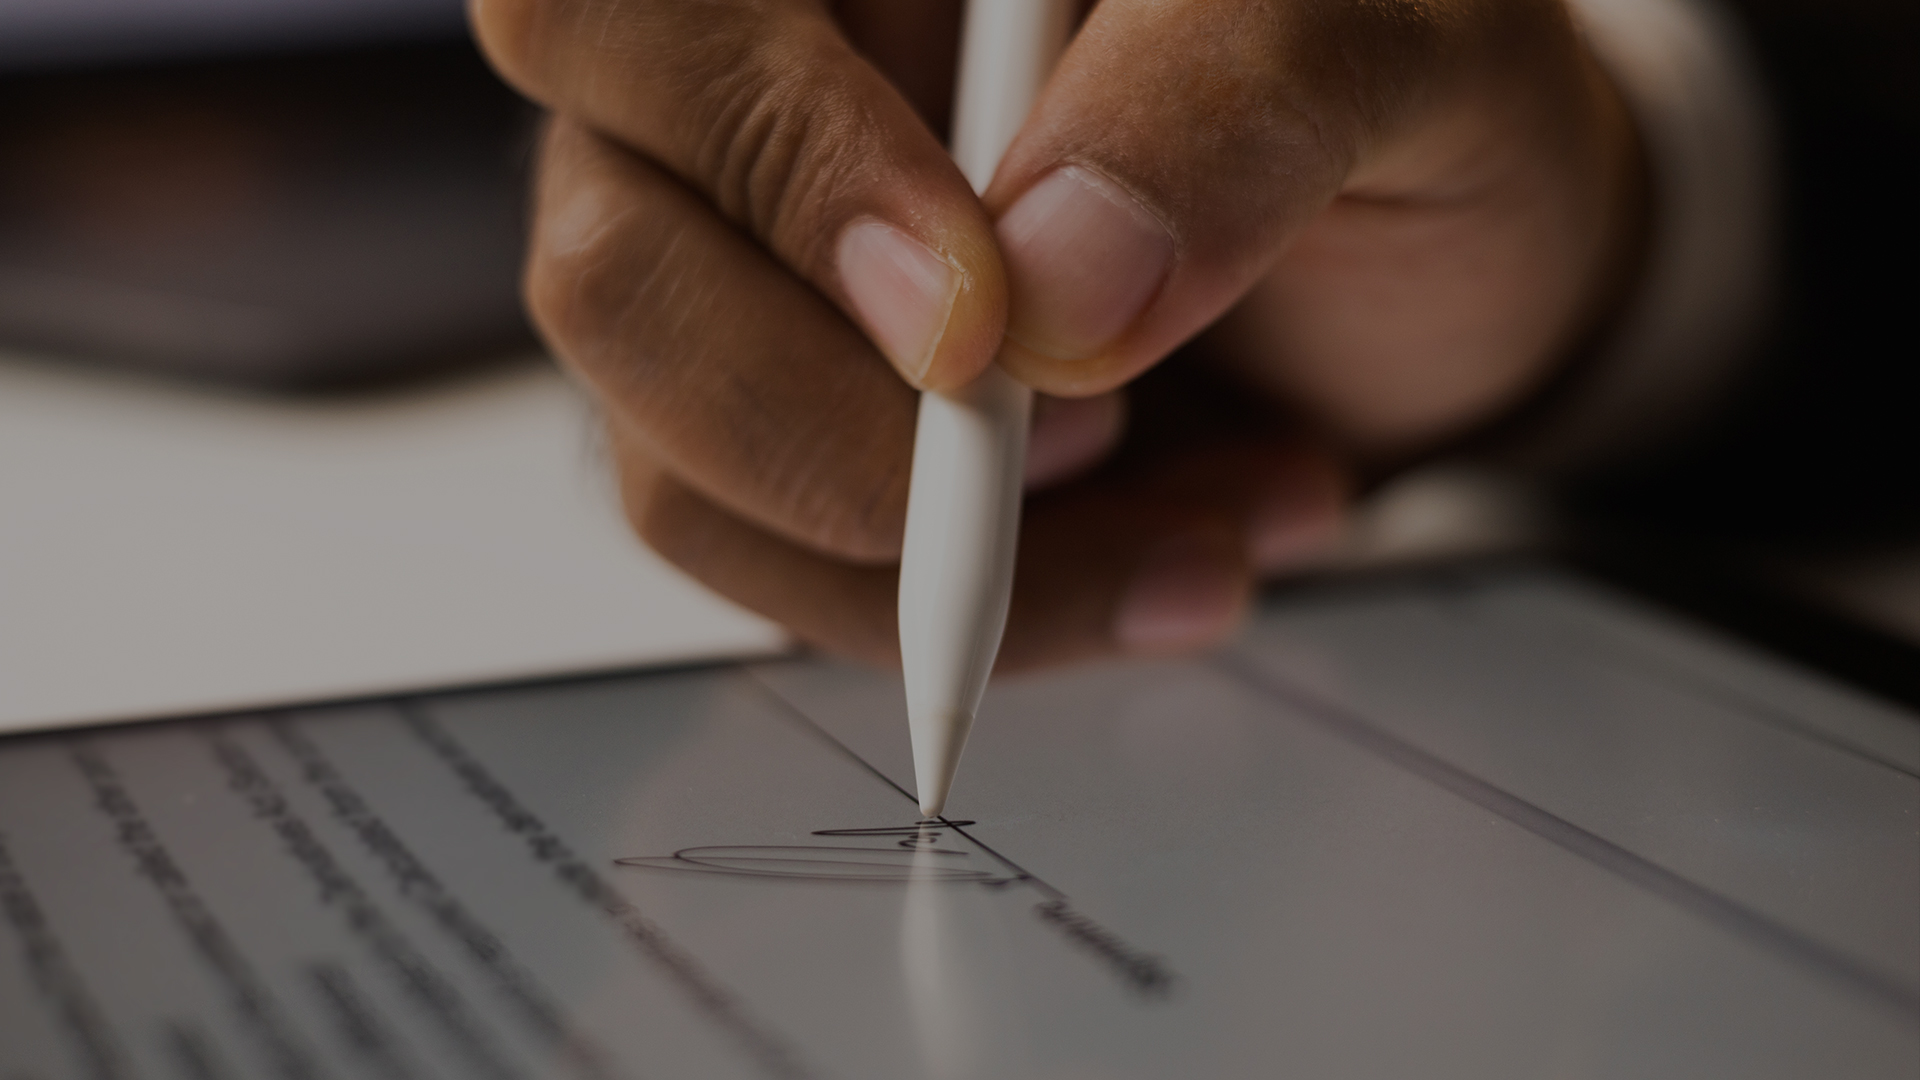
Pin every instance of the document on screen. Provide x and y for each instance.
(1494, 823)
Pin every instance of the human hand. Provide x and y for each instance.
(1397, 216)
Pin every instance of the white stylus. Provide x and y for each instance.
(970, 450)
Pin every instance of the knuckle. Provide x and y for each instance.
(832, 483)
(630, 291)
(591, 268)
(780, 129)
(568, 295)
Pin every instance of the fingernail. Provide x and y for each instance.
(1084, 259)
(1186, 593)
(902, 292)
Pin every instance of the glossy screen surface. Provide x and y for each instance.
(1499, 824)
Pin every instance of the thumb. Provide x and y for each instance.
(1181, 145)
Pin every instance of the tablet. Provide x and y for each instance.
(1479, 822)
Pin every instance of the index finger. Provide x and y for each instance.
(767, 111)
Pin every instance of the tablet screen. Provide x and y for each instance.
(1493, 823)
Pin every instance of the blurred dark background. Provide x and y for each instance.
(1821, 443)
(320, 194)
(286, 194)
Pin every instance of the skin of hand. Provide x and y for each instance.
(1392, 220)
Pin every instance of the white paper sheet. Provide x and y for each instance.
(167, 550)
(1482, 826)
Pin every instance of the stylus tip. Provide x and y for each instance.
(939, 735)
